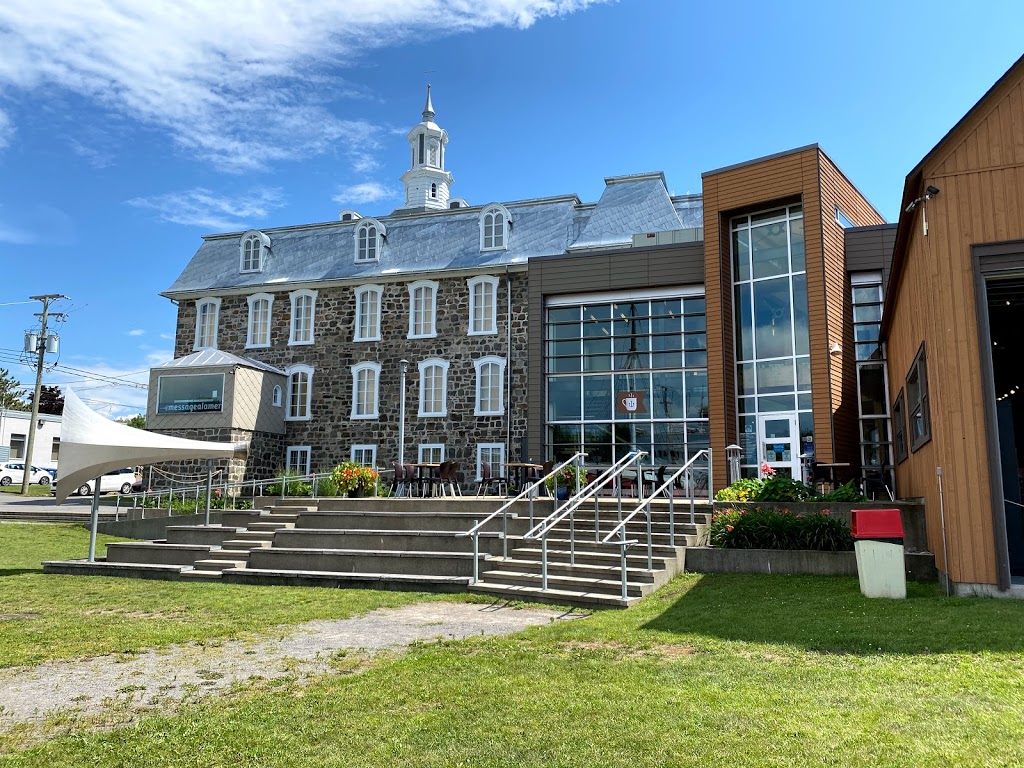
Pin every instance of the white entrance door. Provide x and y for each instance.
(778, 443)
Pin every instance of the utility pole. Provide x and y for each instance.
(40, 351)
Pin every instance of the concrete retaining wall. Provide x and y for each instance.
(920, 565)
(154, 527)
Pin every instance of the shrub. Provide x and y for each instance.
(568, 477)
(325, 486)
(744, 489)
(848, 492)
(778, 529)
(777, 488)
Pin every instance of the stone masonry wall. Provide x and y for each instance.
(265, 458)
(331, 431)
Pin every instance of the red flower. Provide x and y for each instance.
(824, 511)
(729, 528)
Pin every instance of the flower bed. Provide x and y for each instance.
(770, 528)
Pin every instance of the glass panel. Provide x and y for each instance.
(747, 405)
(872, 390)
(803, 373)
(804, 402)
(696, 359)
(697, 341)
(564, 398)
(696, 394)
(667, 360)
(667, 397)
(801, 332)
(868, 332)
(563, 348)
(867, 313)
(773, 403)
(597, 397)
(563, 364)
(695, 323)
(744, 324)
(745, 378)
(564, 331)
(666, 343)
(764, 216)
(597, 442)
(867, 294)
(741, 255)
(806, 433)
(796, 238)
(697, 436)
(777, 428)
(769, 250)
(869, 351)
(599, 329)
(874, 455)
(773, 327)
(775, 376)
(639, 383)
(695, 306)
(563, 314)
(631, 353)
(874, 430)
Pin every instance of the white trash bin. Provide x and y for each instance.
(879, 548)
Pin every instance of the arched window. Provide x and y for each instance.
(494, 228)
(433, 387)
(490, 386)
(253, 244)
(368, 313)
(207, 311)
(365, 378)
(276, 397)
(259, 320)
(422, 308)
(433, 190)
(483, 305)
(300, 390)
(303, 311)
(370, 236)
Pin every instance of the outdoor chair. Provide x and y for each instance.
(413, 481)
(877, 481)
(437, 480)
(453, 479)
(489, 481)
(398, 485)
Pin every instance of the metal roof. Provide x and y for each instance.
(213, 357)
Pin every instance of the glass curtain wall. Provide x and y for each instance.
(873, 398)
(773, 364)
(627, 375)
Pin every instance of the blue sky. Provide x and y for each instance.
(128, 130)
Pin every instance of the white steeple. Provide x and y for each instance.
(426, 181)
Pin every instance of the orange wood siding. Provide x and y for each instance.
(979, 170)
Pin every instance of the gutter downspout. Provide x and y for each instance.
(508, 368)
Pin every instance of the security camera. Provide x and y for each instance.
(932, 190)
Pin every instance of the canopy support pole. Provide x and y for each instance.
(209, 488)
(94, 519)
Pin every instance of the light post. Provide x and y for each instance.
(401, 414)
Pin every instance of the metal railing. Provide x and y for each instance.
(610, 476)
(645, 506)
(530, 492)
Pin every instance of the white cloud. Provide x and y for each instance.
(361, 194)
(167, 336)
(201, 207)
(136, 332)
(105, 387)
(237, 83)
(6, 129)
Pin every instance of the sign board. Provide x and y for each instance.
(190, 393)
(630, 402)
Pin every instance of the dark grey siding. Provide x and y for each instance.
(631, 268)
(870, 248)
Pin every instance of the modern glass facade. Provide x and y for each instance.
(772, 348)
(872, 395)
(630, 374)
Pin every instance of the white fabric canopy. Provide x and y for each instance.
(91, 444)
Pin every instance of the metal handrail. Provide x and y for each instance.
(623, 543)
(544, 527)
(503, 511)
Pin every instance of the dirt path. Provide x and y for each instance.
(88, 687)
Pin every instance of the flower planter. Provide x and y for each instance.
(920, 565)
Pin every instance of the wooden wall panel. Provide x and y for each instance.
(979, 170)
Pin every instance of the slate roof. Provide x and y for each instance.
(211, 357)
(425, 242)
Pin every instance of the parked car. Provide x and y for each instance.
(114, 481)
(14, 472)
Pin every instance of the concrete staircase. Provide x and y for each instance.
(410, 544)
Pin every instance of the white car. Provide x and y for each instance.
(114, 481)
(14, 472)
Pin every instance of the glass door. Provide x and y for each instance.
(778, 439)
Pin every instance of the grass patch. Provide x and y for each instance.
(33, 490)
(716, 670)
(61, 617)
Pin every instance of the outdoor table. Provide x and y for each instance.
(425, 476)
(520, 468)
(832, 470)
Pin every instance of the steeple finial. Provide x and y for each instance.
(428, 108)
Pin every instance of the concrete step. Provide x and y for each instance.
(255, 536)
(636, 559)
(385, 519)
(340, 538)
(364, 561)
(561, 544)
(249, 544)
(551, 596)
(345, 580)
(156, 554)
(218, 564)
(579, 570)
(687, 539)
(201, 575)
(231, 554)
(269, 525)
(199, 534)
(580, 585)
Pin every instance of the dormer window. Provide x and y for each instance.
(494, 227)
(369, 238)
(253, 245)
(348, 215)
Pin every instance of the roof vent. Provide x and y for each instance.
(457, 202)
(349, 216)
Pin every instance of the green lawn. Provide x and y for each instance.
(711, 671)
(33, 490)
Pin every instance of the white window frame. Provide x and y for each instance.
(357, 370)
(250, 342)
(355, 449)
(431, 447)
(490, 318)
(292, 372)
(252, 237)
(367, 251)
(293, 450)
(293, 340)
(495, 243)
(360, 331)
(496, 466)
(479, 365)
(277, 396)
(431, 310)
(208, 301)
(434, 362)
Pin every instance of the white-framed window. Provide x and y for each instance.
(277, 397)
(364, 454)
(259, 320)
(483, 305)
(422, 309)
(368, 312)
(490, 386)
(207, 312)
(365, 379)
(433, 387)
(251, 251)
(300, 391)
(303, 313)
(494, 228)
(298, 459)
(431, 453)
(493, 454)
(370, 235)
